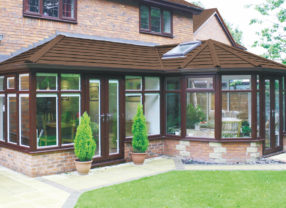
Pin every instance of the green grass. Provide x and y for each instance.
(257, 189)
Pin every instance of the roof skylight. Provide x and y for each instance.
(181, 50)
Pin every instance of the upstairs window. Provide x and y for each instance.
(155, 20)
(63, 10)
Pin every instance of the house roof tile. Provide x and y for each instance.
(78, 52)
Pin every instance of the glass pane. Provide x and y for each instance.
(152, 83)
(12, 119)
(182, 49)
(133, 83)
(70, 82)
(173, 114)
(46, 121)
(277, 114)
(68, 8)
(2, 110)
(258, 114)
(113, 117)
(24, 82)
(267, 113)
(155, 19)
(131, 103)
(173, 84)
(152, 113)
(24, 122)
(167, 21)
(144, 17)
(70, 113)
(236, 114)
(200, 83)
(11, 83)
(94, 112)
(46, 81)
(200, 115)
(236, 82)
(34, 6)
(1, 83)
(51, 8)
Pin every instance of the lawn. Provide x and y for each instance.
(194, 189)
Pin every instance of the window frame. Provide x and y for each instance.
(40, 15)
(2, 95)
(11, 95)
(142, 92)
(199, 90)
(149, 31)
(21, 95)
(253, 96)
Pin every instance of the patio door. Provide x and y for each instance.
(273, 115)
(104, 110)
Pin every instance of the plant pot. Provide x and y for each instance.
(83, 167)
(138, 158)
(197, 127)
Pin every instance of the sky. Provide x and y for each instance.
(236, 13)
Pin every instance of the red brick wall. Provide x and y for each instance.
(155, 149)
(214, 152)
(108, 18)
(37, 165)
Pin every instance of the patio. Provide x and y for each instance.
(63, 190)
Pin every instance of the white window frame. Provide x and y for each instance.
(79, 83)
(2, 77)
(48, 75)
(141, 84)
(118, 119)
(20, 118)
(8, 86)
(79, 98)
(99, 113)
(132, 95)
(8, 117)
(155, 94)
(4, 109)
(20, 81)
(57, 122)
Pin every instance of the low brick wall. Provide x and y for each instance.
(155, 149)
(38, 164)
(63, 161)
(213, 151)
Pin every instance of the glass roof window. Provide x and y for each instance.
(181, 50)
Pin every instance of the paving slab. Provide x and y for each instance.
(105, 176)
(280, 157)
(274, 167)
(17, 190)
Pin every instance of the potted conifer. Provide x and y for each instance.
(84, 146)
(140, 141)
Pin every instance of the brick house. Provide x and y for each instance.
(204, 96)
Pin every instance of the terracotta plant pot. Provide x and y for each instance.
(83, 167)
(138, 158)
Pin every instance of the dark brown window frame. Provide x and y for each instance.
(59, 93)
(142, 92)
(199, 90)
(60, 18)
(149, 31)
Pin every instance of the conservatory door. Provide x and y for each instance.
(273, 115)
(104, 111)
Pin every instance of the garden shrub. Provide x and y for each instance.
(139, 130)
(84, 144)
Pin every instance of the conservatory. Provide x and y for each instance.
(202, 100)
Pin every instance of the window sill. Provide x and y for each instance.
(37, 16)
(158, 34)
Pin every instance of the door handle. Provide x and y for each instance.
(102, 116)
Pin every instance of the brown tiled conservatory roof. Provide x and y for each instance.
(98, 54)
